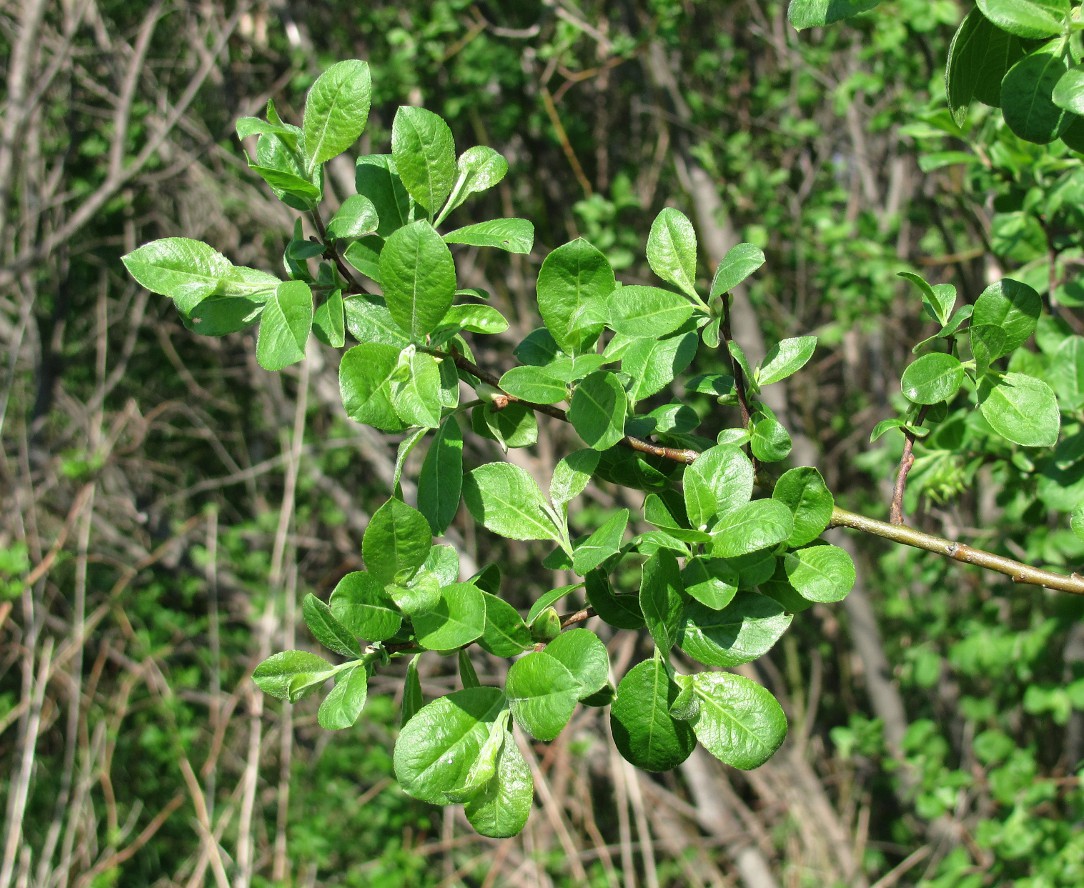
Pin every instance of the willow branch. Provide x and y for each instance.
(906, 462)
(908, 536)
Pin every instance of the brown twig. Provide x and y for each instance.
(895, 512)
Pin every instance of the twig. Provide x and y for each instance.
(895, 512)
(908, 536)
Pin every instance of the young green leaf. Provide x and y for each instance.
(418, 275)
(412, 691)
(356, 218)
(572, 278)
(815, 13)
(506, 634)
(510, 235)
(978, 58)
(719, 481)
(424, 153)
(508, 502)
(501, 808)
(439, 745)
(336, 110)
(739, 262)
(1020, 408)
(542, 694)
(803, 491)
(745, 629)
(326, 629)
(533, 384)
(1027, 18)
(329, 322)
(342, 707)
(478, 169)
(598, 410)
(620, 611)
(662, 599)
(647, 311)
(376, 177)
(572, 474)
(671, 250)
(1069, 90)
(820, 573)
(760, 524)
(1027, 99)
(285, 326)
(786, 358)
(1012, 306)
(769, 441)
(416, 390)
(365, 378)
(361, 605)
(291, 675)
(584, 655)
(644, 731)
(653, 363)
(711, 581)
(933, 378)
(600, 545)
(457, 619)
(440, 481)
(168, 265)
(396, 542)
(740, 723)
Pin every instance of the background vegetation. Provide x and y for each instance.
(168, 504)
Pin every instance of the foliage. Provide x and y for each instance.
(726, 552)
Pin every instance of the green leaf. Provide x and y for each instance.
(412, 691)
(501, 808)
(598, 410)
(584, 655)
(644, 731)
(820, 573)
(478, 169)
(510, 235)
(933, 378)
(361, 605)
(396, 542)
(786, 358)
(815, 13)
(506, 634)
(336, 110)
(440, 481)
(1067, 373)
(979, 56)
(542, 694)
(621, 611)
(291, 675)
(572, 474)
(720, 480)
(437, 748)
(769, 440)
(1027, 95)
(647, 311)
(1021, 409)
(285, 326)
(548, 599)
(600, 545)
(1069, 90)
(326, 629)
(1027, 18)
(365, 375)
(357, 217)
(416, 389)
(671, 250)
(458, 618)
(1012, 306)
(424, 153)
(420, 595)
(418, 275)
(1076, 521)
(661, 598)
(711, 581)
(368, 320)
(740, 723)
(281, 166)
(803, 491)
(987, 342)
(342, 707)
(376, 178)
(653, 363)
(739, 262)
(757, 525)
(533, 384)
(169, 265)
(571, 279)
(329, 322)
(514, 425)
(507, 501)
(745, 629)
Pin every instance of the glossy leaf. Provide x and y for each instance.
(820, 573)
(739, 262)
(720, 480)
(979, 56)
(542, 694)
(803, 491)
(291, 675)
(342, 707)
(584, 655)
(786, 358)
(647, 311)
(501, 808)
(745, 629)
(329, 322)
(621, 611)
(740, 723)
(510, 235)
(356, 218)
(505, 634)
(815, 13)
(571, 279)
(376, 177)
(1020, 408)
(653, 363)
(671, 250)
(711, 581)
(933, 378)
(360, 603)
(1027, 18)
(396, 542)
(572, 474)
(661, 599)
(598, 410)
(418, 275)
(415, 389)
(1014, 307)
(478, 169)
(1069, 90)
(327, 629)
(424, 153)
(1027, 95)
(533, 384)
(644, 731)
(168, 265)
(336, 110)
(507, 501)
(604, 542)
(284, 326)
(760, 524)
(440, 481)
(365, 377)
(457, 619)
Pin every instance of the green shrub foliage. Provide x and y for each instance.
(727, 546)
